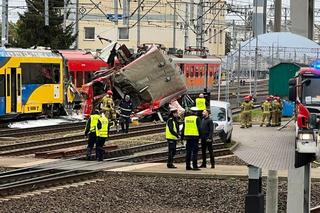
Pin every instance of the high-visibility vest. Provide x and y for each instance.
(201, 103)
(168, 133)
(93, 122)
(190, 126)
(103, 132)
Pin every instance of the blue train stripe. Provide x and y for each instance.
(2, 106)
(27, 90)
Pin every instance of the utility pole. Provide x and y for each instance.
(77, 25)
(277, 16)
(199, 37)
(186, 26)
(126, 6)
(4, 30)
(46, 12)
(138, 23)
(285, 18)
(238, 73)
(64, 15)
(115, 2)
(174, 24)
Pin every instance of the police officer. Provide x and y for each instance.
(190, 132)
(172, 136)
(246, 110)
(206, 139)
(201, 102)
(266, 110)
(126, 107)
(102, 134)
(91, 130)
(107, 105)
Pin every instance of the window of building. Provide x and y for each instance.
(123, 33)
(33, 73)
(215, 35)
(220, 36)
(2, 86)
(89, 33)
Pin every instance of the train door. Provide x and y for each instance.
(13, 90)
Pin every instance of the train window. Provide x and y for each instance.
(210, 74)
(191, 74)
(40, 73)
(8, 84)
(187, 74)
(200, 74)
(19, 84)
(72, 76)
(87, 77)
(2, 86)
(196, 74)
(79, 79)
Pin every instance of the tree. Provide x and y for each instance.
(31, 29)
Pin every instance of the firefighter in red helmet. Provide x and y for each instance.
(107, 105)
(246, 110)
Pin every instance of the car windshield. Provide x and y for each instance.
(311, 92)
(218, 113)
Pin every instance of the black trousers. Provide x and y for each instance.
(99, 148)
(91, 141)
(204, 146)
(192, 153)
(172, 148)
(125, 124)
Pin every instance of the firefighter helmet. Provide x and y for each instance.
(109, 92)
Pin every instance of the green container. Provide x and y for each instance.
(279, 76)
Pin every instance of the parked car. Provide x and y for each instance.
(221, 115)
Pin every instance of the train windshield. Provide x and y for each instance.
(218, 113)
(311, 92)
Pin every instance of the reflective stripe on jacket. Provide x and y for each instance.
(190, 128)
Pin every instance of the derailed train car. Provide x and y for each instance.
(152, 80)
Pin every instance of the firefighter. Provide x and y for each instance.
(102, 131)
(280, 110)
(275, 112)
(271, 113)
(250, 115)
(266, 110)
(246, 110)
(191, 132)
(107, 106)
(201, 102)
(172, 135)
(90, 131)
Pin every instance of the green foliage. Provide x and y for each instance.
(31, 29)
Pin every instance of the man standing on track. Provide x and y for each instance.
(172, 136)
(190, 132)
(206, 139)
(201, 102)
(102, 134)
(126, 107)
(91, 130)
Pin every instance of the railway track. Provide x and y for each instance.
(42, 130)
(27, 148)
(32, 178)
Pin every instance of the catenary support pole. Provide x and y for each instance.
(4, 30)
(138, 23)
(46, 12)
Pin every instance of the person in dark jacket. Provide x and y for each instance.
(206, 138)
(191, 133)
(172, 136)
(90, 131)
(126, 107)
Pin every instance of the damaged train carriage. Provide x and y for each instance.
(152, 80)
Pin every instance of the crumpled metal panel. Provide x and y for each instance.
(151, 78)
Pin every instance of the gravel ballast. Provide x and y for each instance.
(130, 193)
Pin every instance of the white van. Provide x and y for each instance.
(221, 115)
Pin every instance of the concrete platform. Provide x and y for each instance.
(266, 147)
(18, 162)
(223, 171)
